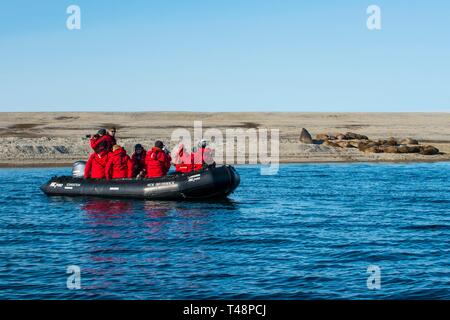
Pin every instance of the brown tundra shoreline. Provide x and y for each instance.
(57, 139)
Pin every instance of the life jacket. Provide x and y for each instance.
(119, 165)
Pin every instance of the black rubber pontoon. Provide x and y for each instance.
(208, 183)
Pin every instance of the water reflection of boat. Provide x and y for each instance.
(198, 185)
(107, 206)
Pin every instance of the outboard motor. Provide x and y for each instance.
(78, 169)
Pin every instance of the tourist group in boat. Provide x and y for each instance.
(111, 161)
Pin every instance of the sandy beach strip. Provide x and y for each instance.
(58, 139)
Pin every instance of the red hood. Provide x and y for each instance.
(118, 152)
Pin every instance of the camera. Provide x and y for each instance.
(166, 150)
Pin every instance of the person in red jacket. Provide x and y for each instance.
(157, 161)
(138, 160)
(102, 141)
(183, 160)
(95, 166)
(203, 156)
(119, 164)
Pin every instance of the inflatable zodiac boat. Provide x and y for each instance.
(208, 183)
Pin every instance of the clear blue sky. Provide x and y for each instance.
(233, 55)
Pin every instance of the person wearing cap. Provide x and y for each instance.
(157, 161)
(203, 157)
(102, 141)
(119, 164)
(138, 160)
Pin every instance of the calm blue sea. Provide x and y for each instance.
(309, 232)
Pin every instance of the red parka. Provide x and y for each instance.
(183, 160)
(102, 143)
(95, 166)
(157, 163)
(203, 156)
(119, 165)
